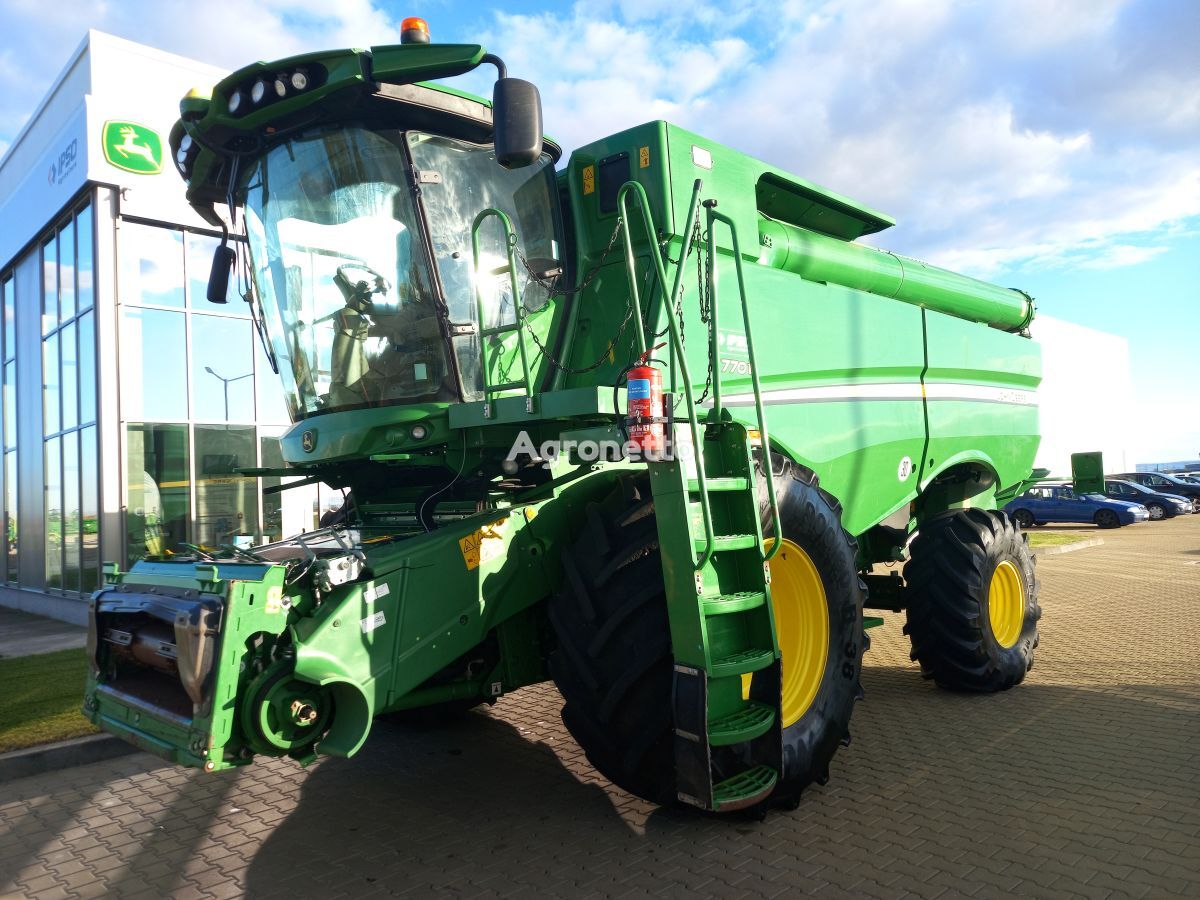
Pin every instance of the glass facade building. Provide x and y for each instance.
(127, 399)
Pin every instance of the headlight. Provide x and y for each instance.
(258, 91)
(280, 86)
(235, 102)
(299, 80)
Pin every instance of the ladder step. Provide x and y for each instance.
(744, 789)
(719, 484)
(505, 386)
(751, 721)
(741, 662)
(732, 603)
(724, 542)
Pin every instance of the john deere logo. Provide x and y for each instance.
(308, 441)
(134, 148)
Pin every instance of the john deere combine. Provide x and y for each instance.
(641, 424)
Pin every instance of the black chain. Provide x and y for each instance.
(550, 283)
(599, 361)
(700, 241)
(700, 244)
(555, 292)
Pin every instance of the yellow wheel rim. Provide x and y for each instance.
(1006, 603)
(801, 627)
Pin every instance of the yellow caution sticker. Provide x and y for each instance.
(484, 544)
(589, 179)
(644, 157)
(274, 599)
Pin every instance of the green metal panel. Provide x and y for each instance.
(981, 396)
(1087, 472)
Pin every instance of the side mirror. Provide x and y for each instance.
(218, 276)
(517, 118)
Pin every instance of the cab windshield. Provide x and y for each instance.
(346, 291)
(357, 314)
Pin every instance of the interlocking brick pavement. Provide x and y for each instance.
(1081, 782)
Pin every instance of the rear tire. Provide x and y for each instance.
(973, 601)
(1157, 511)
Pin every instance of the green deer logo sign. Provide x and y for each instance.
(132, 147)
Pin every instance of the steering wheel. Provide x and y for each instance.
(358, 293)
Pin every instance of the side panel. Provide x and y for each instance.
(981, 389)
(840, 373)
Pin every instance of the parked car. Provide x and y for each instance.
(1044, 503)
(1160, 481)
(1159, 505)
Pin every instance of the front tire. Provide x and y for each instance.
(973, 601)
(813, 575)
(1157, 511)
(613, 664)
(1106, 518)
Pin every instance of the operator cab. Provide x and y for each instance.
(362, 192)
(360, 248)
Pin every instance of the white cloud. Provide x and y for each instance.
(1117, 255)
(599, 76)
(1036, 132)
(222, 32)
(1044, 133)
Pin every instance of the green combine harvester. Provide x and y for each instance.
(547, 394)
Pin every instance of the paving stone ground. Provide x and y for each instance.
(1081, 782)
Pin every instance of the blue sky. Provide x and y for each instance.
(1052, 145)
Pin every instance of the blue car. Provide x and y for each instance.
(1059, 503)
(1159, 504)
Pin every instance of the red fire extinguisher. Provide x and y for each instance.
(644, 419)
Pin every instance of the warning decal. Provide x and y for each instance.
(484, 544)
(274, 599)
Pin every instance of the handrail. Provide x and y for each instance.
(510, 238)
(639, 192)
(714, 216)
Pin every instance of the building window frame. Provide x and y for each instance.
(85, 577)
(265, 421)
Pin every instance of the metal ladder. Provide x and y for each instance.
(728, 729)
(518, 324)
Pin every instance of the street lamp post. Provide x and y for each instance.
(225, 384)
